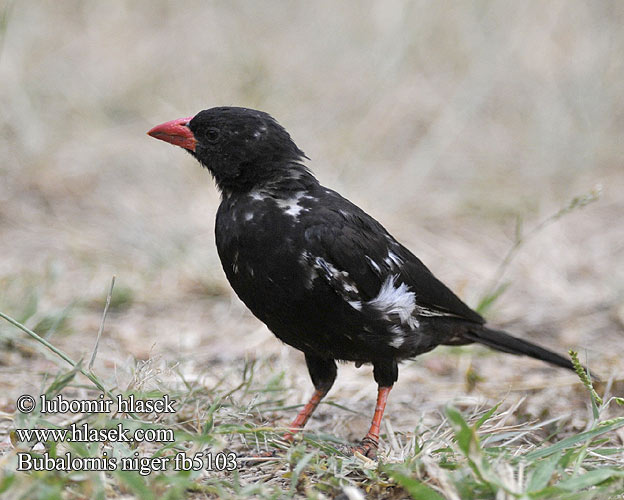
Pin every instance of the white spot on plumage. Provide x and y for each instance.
(397, 341)
(235, 263)
(294, 174)
(338, 280)
(291, 205)
(306, 260)
(431, 313)
(356, 304)
(258, 195)
(396, 329)
(398, 301)
(293, 210)
(395, 258)
(249, 216)
(373, 264)
(399, 336)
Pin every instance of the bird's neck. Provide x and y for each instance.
(281, 180)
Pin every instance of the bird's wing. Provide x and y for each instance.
(361, 261)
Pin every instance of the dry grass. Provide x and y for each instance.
(447, 122)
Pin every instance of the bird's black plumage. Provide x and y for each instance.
(322, 274)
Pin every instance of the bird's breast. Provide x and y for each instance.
(259, 241)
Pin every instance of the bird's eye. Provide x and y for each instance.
(212, 134)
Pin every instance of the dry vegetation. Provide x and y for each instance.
(459, 126)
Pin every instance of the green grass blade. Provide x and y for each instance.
(577, 439)
(463, 432)
(59, 353)
(487, 415)
(136, 483)
(301, 465)
(488, 299)
(591, 478)
(543, 472)
(415, 488)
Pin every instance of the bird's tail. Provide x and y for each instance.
(502, 341)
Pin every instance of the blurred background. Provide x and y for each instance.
(458, 125)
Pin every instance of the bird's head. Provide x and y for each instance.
(241, 147)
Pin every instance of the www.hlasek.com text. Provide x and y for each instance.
(86, 434)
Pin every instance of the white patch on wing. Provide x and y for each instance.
(396, 300)
(431, 313)
(393, 260)
(249, 216)
(338, 280)
(373, 264)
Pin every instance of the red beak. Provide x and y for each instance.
(175, 132)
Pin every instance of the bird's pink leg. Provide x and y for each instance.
(368, 446)
(304, 415)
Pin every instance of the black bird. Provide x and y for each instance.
(321, 273)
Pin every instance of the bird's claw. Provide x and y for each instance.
(367, 447)
(289, 437)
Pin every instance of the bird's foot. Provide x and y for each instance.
(289, 437)
(367, 447)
